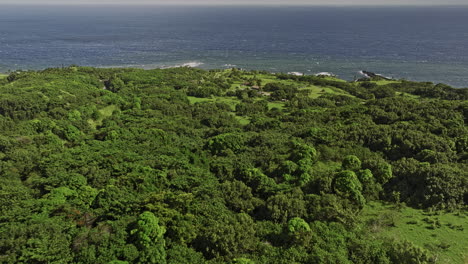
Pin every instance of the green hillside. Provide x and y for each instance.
(230, 166)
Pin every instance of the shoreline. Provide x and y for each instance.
(349, 75)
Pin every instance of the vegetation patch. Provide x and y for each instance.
(184, 165)
(441, 233)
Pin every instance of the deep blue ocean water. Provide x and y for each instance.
(425, 44)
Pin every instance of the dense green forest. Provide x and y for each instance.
(230, 166)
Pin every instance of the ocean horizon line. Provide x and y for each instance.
(90, 4)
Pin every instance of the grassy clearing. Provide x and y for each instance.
(105, 112)
(407, 95)
(330, 78)
(317, 91)
(231, 101)
(194, 100)
(108, 110)
(93, 123)
(266, 79)
(237, 86)
(2, 75)
(279, 105)
(314, 91)
(243, 120)
(443, 234)
(384, 82)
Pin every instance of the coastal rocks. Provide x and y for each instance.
(374, 76)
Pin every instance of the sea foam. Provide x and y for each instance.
(191, 64)
(296, 73)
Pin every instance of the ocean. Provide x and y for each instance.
(414, 43)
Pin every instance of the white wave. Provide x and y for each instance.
(229, 65)
(296, 73)
(191, 64)
(325, 74)
(363, 74)
(381, 75)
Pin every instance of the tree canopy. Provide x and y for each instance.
(224, 166)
